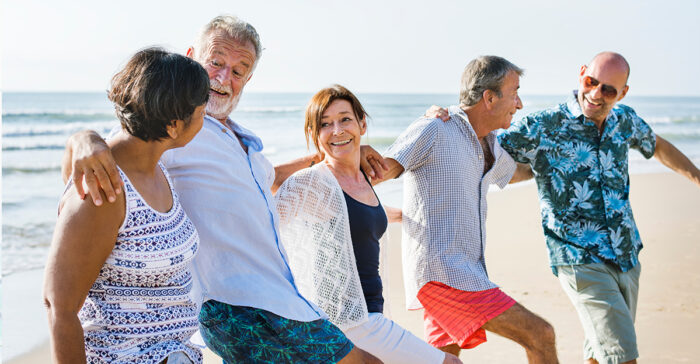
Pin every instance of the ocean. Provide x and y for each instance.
(35, 127)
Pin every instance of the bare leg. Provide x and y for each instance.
(453, 349)
(451, 359)
(593, 361)
(529, 330)
(359, 356)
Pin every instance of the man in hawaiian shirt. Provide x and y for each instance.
(578, 152)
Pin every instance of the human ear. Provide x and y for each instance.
(190, 52)
(487, 96)
(173, 129)
(363, 125)
(623, 93)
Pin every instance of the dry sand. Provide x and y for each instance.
(667, 210)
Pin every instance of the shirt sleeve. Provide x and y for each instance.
(414, 146)
(642, 138)
(521, 139)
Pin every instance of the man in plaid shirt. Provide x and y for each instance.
(448, 167)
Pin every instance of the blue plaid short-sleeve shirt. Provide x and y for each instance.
(582, 181)
(444, 205)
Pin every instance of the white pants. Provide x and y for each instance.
(391, 343)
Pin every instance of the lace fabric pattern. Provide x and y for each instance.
(139, 309)
(315, 231)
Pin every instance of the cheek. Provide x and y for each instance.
(211, 72)
(322, 137)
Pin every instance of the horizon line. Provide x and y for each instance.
(311, 92)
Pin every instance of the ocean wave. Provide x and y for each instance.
(692, 119)
(29, 170)
(32, 146)
(270, 109)
(25, 247)
(30, 130)
(57, 116)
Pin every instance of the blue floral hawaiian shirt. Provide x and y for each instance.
(582, 181)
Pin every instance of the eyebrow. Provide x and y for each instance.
(223, 54)
(342, 112)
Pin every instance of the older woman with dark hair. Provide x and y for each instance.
(117, 280)
(331, 222)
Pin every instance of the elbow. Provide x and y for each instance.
(58, 311)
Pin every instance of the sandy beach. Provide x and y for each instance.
(667, 210)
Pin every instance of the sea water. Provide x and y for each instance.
(35, 127)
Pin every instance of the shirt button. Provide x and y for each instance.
(479, 157)
(223, 130)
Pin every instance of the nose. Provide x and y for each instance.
(596, 92)
(519, 104)
(221, 75)
(337, 129)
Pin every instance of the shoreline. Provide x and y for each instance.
(665, 209)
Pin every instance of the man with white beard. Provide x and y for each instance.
(252, 310)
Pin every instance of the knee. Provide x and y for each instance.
(546, 334)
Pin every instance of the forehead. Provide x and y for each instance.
(512, 80)
(608, 71)
(218, 42)
(339, 106)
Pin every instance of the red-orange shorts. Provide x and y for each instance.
(453, 316)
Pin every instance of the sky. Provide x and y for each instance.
(367, 46)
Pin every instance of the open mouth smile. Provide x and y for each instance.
(220, 93)
(594, 104)
(340, 143)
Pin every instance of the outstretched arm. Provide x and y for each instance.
(371, 162)
(673, 158)
(523, 172)
(88, 156)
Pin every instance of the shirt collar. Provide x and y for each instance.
(575, 108)
(573, 105)
(247, 137)
(464, 118)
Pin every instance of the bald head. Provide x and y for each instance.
(612, 61)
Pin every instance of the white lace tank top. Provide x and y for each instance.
(139, 309)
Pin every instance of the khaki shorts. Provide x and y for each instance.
(606, 301)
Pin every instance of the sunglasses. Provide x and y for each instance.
(608, 91)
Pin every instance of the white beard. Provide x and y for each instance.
(219, 108)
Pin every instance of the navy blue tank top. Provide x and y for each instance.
(367, 225)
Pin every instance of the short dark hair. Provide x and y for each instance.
(318, 105)
(155, 88)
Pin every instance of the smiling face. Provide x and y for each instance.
(505, 106)
(340, 131)
(229, 64)
(605, 71)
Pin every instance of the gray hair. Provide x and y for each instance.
(235, 28)
(484, 73)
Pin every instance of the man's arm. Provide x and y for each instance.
(371, 162)
(523, 172)
(284, 170)
(88, 156)
(392, 170)
(673, 158)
